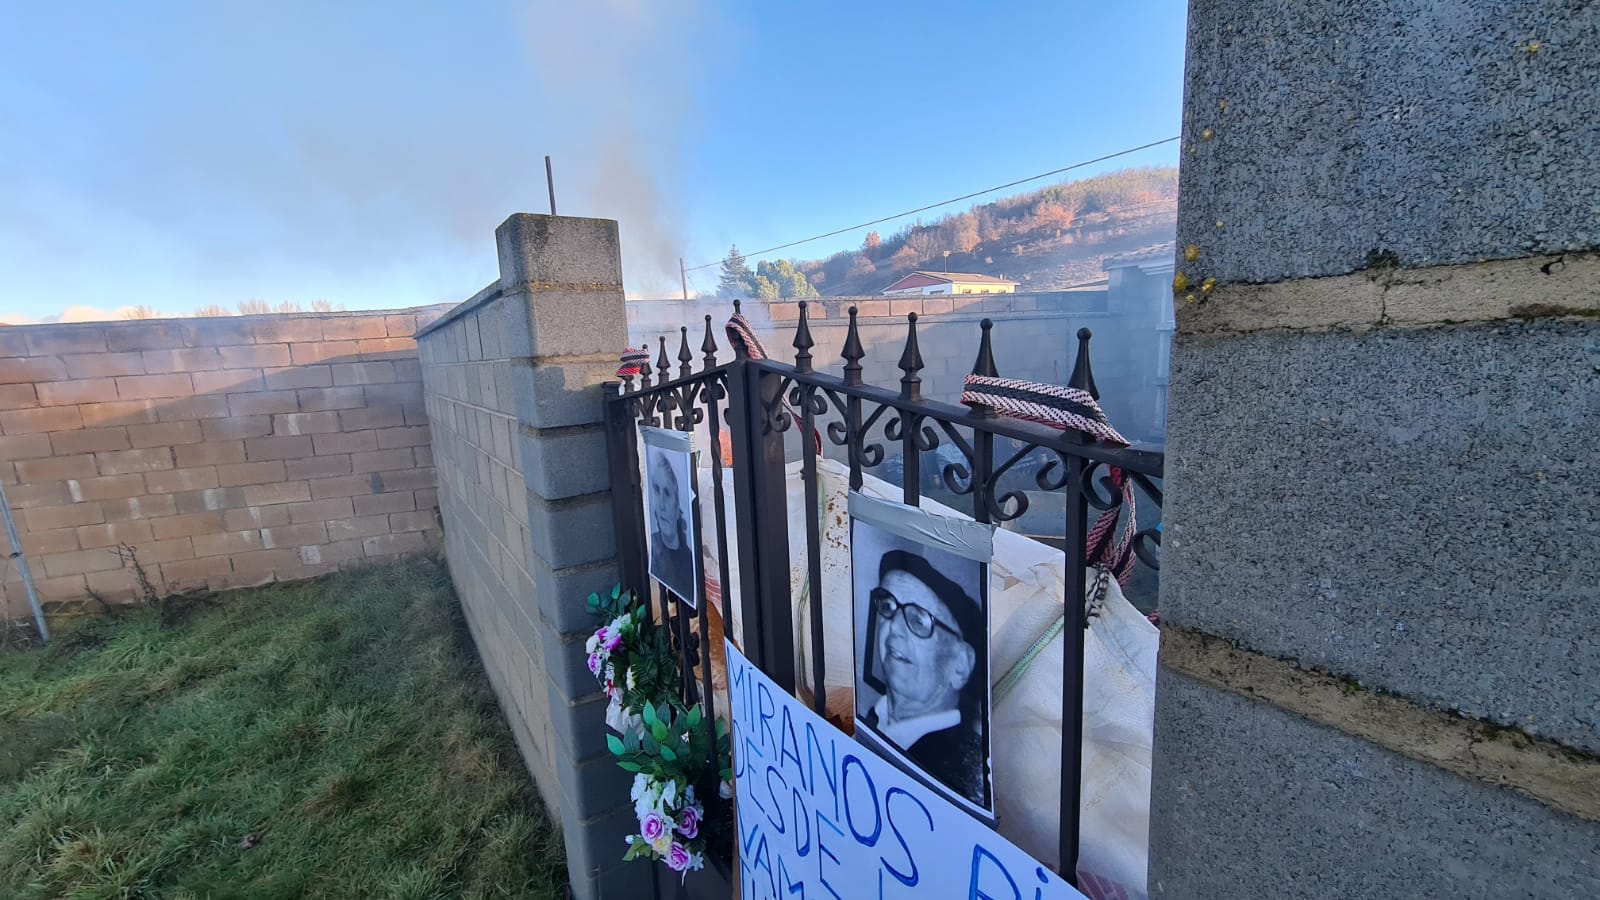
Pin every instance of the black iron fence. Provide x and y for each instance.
(770, 411)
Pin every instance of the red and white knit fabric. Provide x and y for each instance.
(1048, 404)
(634, 362)
(1068, 408)
(744, 337)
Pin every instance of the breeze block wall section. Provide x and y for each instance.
(225, 452)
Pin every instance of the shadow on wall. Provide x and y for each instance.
(224, 452)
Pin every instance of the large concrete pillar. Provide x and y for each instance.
(1379, 676)
(513, 389)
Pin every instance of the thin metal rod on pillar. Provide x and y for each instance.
(550, 182)
(683, 278)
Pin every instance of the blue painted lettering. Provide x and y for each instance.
(976, 889)
(830, 765)
(908, 879)
(850, 806)
(822, 875)
(773, 793)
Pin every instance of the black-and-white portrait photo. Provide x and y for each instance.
(922, 645)
(669, 511)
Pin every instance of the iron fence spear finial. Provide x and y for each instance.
(709, 345)
(685, 357)
(984, 366)
(663, 365)
(803, 342)
(853, 353)
(911, 362)
(1082, 375)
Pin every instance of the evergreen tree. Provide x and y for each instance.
(735, 280)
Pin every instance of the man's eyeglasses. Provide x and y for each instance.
(918, 620)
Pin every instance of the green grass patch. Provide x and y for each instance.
(328, 738)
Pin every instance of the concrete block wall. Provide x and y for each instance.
(512, 379)
(225, 451)
(1383, 456)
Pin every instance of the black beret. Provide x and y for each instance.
(965, 610)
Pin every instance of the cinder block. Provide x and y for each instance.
(263, 403)
(357, 527)
(268, 494)
(227, 543)
(572, 532)
(393, 544)
(154, 387)
(25, 446)
(189, 359)
(277, 447)
(254, 356)
(387, 348)
(56, 468)
(305, 423)
(99, 365)
(123, 462)
(143, 336)
(50, 493)
(405, 395)
(255, 517)
(348, 328)
(189, 573)
(382, 460)
(294, 535)
(208, 406)
(346, 486)
(371, 417)
(402, 437)
(318, 467)
(555, 396)
(56, 540)
(229, 381)
(400, 325)
(72, 392)
(420, 520)
(294, 377)
(57, 339)
(50, 518)
(363, 373)
(345, 442)
(292, 330)
(564, 462)
(324, 351)
(77, 562)
(189, 525)
(20, 370)
(404, 480)
(110, 534)
(179, 480)
(109, 487)
(18, 396)
(316, 399)
(216, 332)
(165, 434)
(558, 249)
(562, 595)
(42, 419)
(209, 453)
(235, 428)
(239, 474)
(266, 562)
(377, 504)
(321, 510)
(117, 586)
(144, 506)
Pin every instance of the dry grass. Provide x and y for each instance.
(333, 738)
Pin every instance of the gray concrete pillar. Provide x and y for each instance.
(1383, 459)
(562, 279)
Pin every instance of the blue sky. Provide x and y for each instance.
(180, 154)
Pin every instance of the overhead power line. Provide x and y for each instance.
(912, 212)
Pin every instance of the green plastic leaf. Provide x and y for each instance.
(628, 766)
(616, 592)
(660, 731)
(694, 717)
(667, 754)
(649, 714)
(614, 744)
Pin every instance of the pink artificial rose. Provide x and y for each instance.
(678, 857)
(652, 826)
(594, 664)
(689, 822)
(611, 641)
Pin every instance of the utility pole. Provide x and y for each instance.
(683, 276)
(947, 262)
(550, 181)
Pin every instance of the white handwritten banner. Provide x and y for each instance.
(821, 816)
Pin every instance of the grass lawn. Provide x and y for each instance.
(332, 738)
